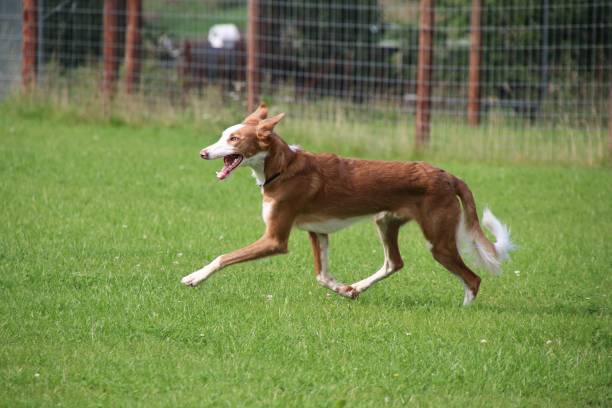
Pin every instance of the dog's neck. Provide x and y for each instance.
(257, 164)
(270, 164)
(279, 157)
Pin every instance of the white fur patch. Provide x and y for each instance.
(228, 132)
(329, 226)
(257, 163)
(469, 243)
(324, 278)
(468, 295)
(222, 148)
(503, 245)
(202, 274)
(388, 267)
(295, 148)
(266, 210)
(465, 243)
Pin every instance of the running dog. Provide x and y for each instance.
(324, 193)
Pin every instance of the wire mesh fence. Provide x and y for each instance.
(519, 79)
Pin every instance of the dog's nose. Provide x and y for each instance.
(204, 154)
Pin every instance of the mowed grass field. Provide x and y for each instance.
(98, 223)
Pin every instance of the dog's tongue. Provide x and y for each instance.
(228, 166)
(224, 172)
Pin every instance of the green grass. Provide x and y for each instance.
(100, 220)
(327, 124)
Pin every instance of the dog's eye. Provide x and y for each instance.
(233, 139)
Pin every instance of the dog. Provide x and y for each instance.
(324, 193)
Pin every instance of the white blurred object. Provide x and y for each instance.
(223, 35)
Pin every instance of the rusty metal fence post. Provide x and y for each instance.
(133, 45)
(252, 54)
(474, 75)
(110, 35)
(424, 70)
(29, 43)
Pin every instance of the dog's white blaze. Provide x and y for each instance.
(228, 132)
(222, 148)
(330, 225)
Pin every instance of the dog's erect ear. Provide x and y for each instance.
(260, 114)
(265, 127)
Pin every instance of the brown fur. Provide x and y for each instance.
(316, 250)
(317, 187)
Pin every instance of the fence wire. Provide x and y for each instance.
(541, 88)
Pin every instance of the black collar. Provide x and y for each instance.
(271, 179)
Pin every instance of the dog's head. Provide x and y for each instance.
(245, 143)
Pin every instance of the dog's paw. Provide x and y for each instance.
(202, 274)
(193, 279)
(347, 291)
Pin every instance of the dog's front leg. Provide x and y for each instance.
(265, 246)
(273, 242)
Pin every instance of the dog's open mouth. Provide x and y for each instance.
(230, 162)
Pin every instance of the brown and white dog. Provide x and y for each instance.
(323, 193)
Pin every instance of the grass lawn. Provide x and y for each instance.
(98, 223)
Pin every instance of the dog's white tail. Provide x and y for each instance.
(502, 244)
(470, 236)
(490, 254)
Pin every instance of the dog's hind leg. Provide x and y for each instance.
(448, 256)
(440, 228)
(320, 245)
(388, 228)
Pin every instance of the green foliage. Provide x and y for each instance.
(306, 40)
(578, 35)
(191, 19)
(72, 31)
(336, 28)
(331, 39)
(514, 46)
